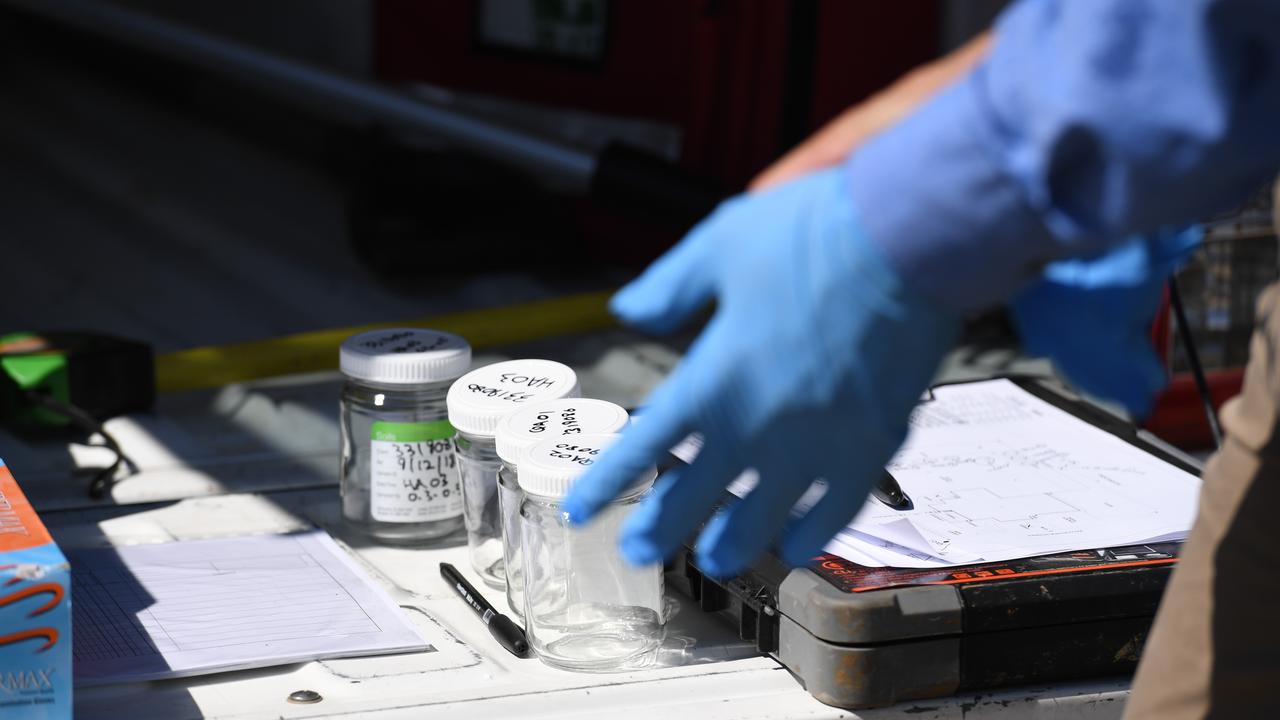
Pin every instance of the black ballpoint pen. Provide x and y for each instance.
(889, 492)
(507, 633)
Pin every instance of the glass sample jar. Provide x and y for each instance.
(585, 608)
(521, 430)
(477, 401)
(399, 478)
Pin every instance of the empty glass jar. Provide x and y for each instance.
(520, 431)
(586, 608)
(400, 482)
(477, 401)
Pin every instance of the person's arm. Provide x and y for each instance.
(837, 294)
(1089, 120)
(834, 141)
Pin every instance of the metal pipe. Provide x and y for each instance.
(320, 90)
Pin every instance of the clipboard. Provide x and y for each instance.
(860, 637)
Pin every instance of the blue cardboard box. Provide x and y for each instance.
(35, 613)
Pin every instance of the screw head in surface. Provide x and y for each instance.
(304, 697)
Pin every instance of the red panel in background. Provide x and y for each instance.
(864, 46)
(740, 80)
(1178, 415)
(646, 71)
(734, 129)
(717, 70)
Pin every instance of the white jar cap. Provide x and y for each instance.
(479, 399)
(404, 355)
(551, 466)
(522, 429)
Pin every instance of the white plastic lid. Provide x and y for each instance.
(404, 355)
(479, 399)
(551, 466)
(522, 429)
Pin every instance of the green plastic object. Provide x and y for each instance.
(29, 362)
(92, 375)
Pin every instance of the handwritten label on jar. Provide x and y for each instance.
(577, 454)
(413, 475)
(406, 341)
(565, 420)
(514, 387)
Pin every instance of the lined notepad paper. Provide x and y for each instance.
(188, 608)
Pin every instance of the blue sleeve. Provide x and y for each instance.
(1090, 120)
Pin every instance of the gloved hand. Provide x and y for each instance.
(1093, 317)
(815, 356)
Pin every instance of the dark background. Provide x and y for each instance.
(186, 206)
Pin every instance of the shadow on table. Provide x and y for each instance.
(697, 638)
(114, 634)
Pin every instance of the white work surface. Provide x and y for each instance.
(261, 458)
(704, 671)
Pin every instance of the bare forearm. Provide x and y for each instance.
(847, 131)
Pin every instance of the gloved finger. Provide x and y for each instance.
(673, 288)
(743, 531)
(681, 500)
(807, 535)
(667, 420)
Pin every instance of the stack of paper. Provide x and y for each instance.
(188, 608)
(996, 473)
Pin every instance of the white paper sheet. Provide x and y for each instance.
(996, 473)
(187, 608)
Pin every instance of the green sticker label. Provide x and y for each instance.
(411, 431)
(413, 474)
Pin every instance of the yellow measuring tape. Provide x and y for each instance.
(314, 351)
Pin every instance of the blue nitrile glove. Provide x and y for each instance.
(815, 356)
(1093, 317)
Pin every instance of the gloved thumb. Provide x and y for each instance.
(669, 292)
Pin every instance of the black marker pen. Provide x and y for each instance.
(889, 492)
(507, 633)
